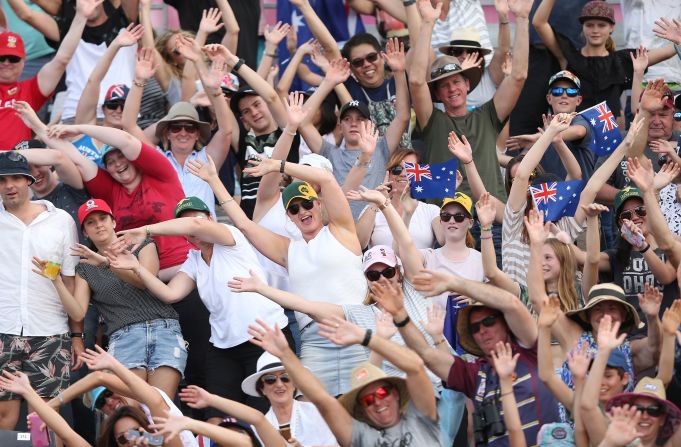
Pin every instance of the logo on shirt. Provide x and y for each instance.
(12, 91)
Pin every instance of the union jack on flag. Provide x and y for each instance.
(416, 171)
(557, 199)
(544, 192)
(605, 134)
(433, 181)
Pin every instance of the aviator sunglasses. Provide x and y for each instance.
(359, 61)
(628, 214)
(295, 208)
(487, 322)
(271, 379)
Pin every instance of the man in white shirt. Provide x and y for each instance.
(34, 329)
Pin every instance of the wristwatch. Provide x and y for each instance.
(77, 334)
(362, 164)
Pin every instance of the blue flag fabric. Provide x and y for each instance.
(557, 199)
(606, 134)
(434, 181)
(341, 20)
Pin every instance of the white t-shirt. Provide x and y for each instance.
(307, 425)
(469, 267)
(187, 437)
(230, 314)
(420, 227)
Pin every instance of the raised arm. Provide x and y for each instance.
(418, 71)
(547, 373)
(273, 341)
(639, 60)
(540, 21)
(39, 20)
(145, 69)
(172, 425)
(504, 364)
(537, 232)
(574, 171)
(485, 212)
(508, 91)
(50, 74)
(670, 324)
(120, 139)
(394, 57)
(595, 260)
(232, 28)
(503, 42)
(297, 55)
(344, 333)
(318, 29)
(63, 166)
(86, 111)
(368, 136)
(20, 385)
(273, 35)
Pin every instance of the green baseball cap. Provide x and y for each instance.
(191, 203)
(625, 194)
(295, 190)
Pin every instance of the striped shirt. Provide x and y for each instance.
(462, 14)
(514, 252)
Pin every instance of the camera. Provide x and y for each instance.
(487, 421)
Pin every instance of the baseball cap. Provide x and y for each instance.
(566, 75)
(91, 206)
(556, 434)
(316, 161)
(229, 83)
(617, 359)
(355, 105)
(232, 422)
(29, 144)
(462, 199)
(192, 203)
(116, 93)
(379, 253)
(11, 44)
(625, 194)
(298, 190)
(13, 163)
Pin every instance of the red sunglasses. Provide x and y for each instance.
(380, 393)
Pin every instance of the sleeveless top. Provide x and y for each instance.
(324, 270)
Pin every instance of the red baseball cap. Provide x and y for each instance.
(91, 206)
(11, 44)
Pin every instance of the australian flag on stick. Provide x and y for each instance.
(557, 199)
(605, 132)
(433, 181)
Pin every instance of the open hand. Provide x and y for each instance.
(129, 36)
(251, 283)
(98, 359)
(503, 360)
(394, 55)
(341, 332)
(460, 148)
(210, 21)
(195, 397)
(270, 339)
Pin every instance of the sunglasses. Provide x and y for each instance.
(294, 208)
(653, 410)
(177, 128)
(447, 68)
(358, 62)
(487, 322)
(677, 116)
(114, 105)
(456, 52)
(271, 379)
(558, 91)
(375, 275)
(101, 400)
(10, 59)
(396, 170)
(458, 217)
(628, 214)
(380, 393)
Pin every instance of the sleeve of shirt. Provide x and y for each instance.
(570, 226)
(189, 266)
(513, 221)
(326, 149)
(101, 186)
(32, 94)
(428, 255)
(491, 111)
(463, 376)
(153, 163)
(68, 266)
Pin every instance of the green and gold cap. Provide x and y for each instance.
(462, 199)
(191, 203)
(625, 194)
(295, 190)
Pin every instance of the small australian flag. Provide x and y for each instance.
(433, 181)
(557, 199)
(605, 132)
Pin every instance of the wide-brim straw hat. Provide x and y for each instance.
(468, 38)
(651, 389)
(445, 66)
(183, 112)
(267, 363)
(364, 375)
(608, 292)
(463, 330)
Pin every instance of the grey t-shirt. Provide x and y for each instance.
(415, 429)
(344, 159)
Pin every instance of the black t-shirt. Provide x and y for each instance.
(104, 33)
(251, 145)
(68, 199)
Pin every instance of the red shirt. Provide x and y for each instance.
(152, 201)
(13, 129)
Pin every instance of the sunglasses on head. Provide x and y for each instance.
(358, 62)
(396, 170)
(558, 91)
(177, 128)
(375, 275)
(380, 393)
(628, 214)
(487, 322)
(447, 68)
(295, 207)
(10, 58)
(458, 217)
(677, 116)
(101, 400)
(653, 410)
(114, 105)
(456, 52)
(271, 379)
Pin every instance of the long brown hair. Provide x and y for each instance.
(399, 155)
(107, 438)
(567, 291)
(161, 44)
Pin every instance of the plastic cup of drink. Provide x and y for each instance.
(52, 269)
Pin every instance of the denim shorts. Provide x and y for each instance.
(149, 345)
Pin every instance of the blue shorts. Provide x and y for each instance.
(150, 345)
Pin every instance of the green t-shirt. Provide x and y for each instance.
(481, 126)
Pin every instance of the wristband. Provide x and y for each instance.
(506, 393)
(60, 397)
(139, 83)
(148, 231)
(438, 343)
(367, 338)
(272, 55)
(504, 23)
(231, 199)
(384, 205)
(645, 249)
(238, 65)
(408, 2)
(469, 162)
(362, 164)
(487, 228)
(293, 134)
(283, 165)
(76, 335)
(402, 323)
(485, 237)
